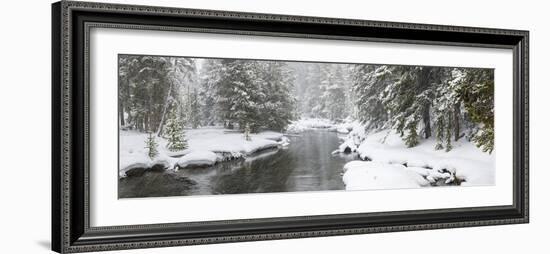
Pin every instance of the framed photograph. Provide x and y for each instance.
(182, 126)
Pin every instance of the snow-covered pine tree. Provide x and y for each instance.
(245, 96)
(477, 94)
(180, 70)
(446, 108)
(151, 146)
(334, 96)
(409, 101)
(298, 74)
(210, 76)
(174, 132)
(413, 100)
(322, 109)
(314, 107)
(194, 114)
(276, 101)
(126, 83)
(398, 99)
(369, 85)
(143, 79)
(147, 85)
(257, 93)
(411, 137)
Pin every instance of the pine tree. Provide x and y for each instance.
(147, 86)
(151, 146)
(275, 100)
(238, 92)
(335, 97)
(407, 97)
(257, 93)
(194, 109)
(477, 94)
(369, 84)
(211, 73)
(313, 90)
(174, 133)
(445, 105)
(411, 138)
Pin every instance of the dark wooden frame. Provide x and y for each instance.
(71, 22)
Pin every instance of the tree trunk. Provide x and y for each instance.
(166, 104)
(423, 83)
(149, 116)
(130, 120)
(146, 122)
(426, 119)
(121, 113)
(456, 120)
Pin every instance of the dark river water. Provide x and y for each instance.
(305, 165)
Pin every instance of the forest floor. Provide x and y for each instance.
(206, 146)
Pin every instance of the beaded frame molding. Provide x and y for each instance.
(71, 23)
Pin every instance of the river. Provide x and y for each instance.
(305, 165)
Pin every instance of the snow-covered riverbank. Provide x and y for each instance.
(304, 124)
(388, 163)
(206, 146)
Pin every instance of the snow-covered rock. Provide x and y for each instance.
(284, 142)
(347, 147)
(127, 167)
(163, 161)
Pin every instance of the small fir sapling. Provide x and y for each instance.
(151, 146)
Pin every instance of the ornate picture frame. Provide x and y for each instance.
(71, 202)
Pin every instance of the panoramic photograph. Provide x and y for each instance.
(208, 126)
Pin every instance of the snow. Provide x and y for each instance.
(386, 161)
(271, 135)
(206, 146)
(356, 135)
(368, 175)
(219, 140)
(141, 160)
(464, 163)
(342, 130)
(304, 124)
(197, 159)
